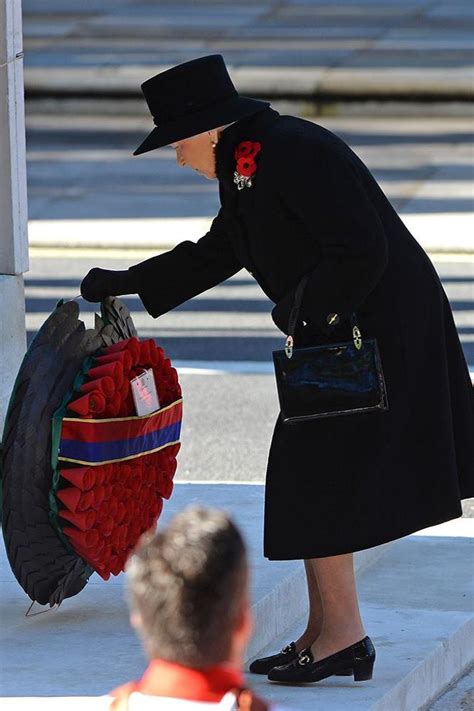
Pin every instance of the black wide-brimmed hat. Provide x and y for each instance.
(191, 98)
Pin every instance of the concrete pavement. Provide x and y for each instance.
(459, 696)
(287, 48)
(416, 604)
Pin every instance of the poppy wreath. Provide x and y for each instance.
(63, 519)
(245, 169)
(112, 468)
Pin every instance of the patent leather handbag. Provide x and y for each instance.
(344, 378)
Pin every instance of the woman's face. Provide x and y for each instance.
(198, 153)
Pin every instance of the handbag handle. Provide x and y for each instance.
(356, 334)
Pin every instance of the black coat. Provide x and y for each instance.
(345, 483)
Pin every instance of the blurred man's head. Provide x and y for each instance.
(188, 588)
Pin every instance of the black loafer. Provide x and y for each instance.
(358, 658)
(286, 655)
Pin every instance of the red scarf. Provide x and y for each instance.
(164, 678)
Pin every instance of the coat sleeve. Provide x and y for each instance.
(188, 269)
(325, 192)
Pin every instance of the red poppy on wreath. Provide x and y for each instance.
(246, 167)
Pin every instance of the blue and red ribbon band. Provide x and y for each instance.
(96, 442)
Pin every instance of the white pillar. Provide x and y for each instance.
(13, 206)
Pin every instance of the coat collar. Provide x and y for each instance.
(252, 128)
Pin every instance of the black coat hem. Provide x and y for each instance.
(363, 545)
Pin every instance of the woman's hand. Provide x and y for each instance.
(99, 283)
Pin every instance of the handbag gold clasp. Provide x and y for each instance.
(357, 336)
(289, 346)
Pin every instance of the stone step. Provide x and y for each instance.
(414, 598)
(417, 607)
(380, 82)
(161, 233)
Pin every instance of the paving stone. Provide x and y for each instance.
(419, 621)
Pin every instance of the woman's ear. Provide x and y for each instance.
(214, 135)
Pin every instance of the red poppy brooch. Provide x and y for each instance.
(246, 167)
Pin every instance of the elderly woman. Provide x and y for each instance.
(296, 200)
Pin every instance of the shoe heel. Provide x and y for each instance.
(363, 669)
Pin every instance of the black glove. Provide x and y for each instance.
(99, 283)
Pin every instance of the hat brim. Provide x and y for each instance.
(232, 109)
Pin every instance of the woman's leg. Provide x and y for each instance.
(341, 623)
(315, 615)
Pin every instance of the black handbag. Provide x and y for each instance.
(331, 379)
